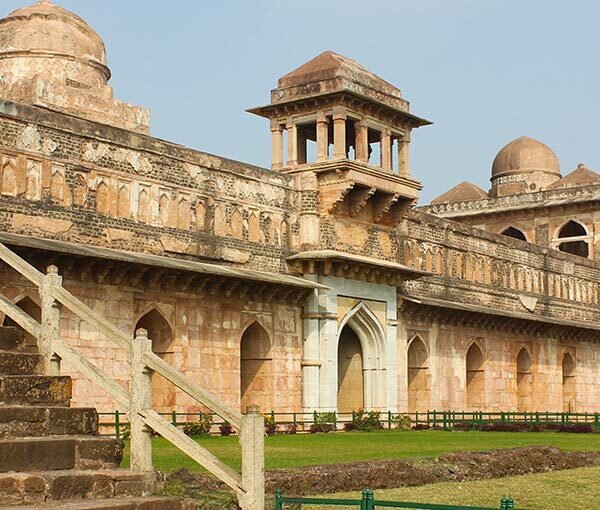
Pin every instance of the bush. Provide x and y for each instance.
(421, 426)
(577, 428)
(401, 422)
(366, 421)
(324, 422)
(201, 427)
(226, 429)
(270, 424)
(349, 426)
(290, 428)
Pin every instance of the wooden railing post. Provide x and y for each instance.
(252, 439)
(140, 400)
(50, 326)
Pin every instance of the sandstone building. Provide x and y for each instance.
(313, 285)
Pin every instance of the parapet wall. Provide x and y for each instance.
(475, 267)
(70, 179)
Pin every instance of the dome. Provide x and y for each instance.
(45, 30)
(524, 156)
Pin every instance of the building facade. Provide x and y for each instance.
(313, 285)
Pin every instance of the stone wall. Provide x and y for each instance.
(69, 179)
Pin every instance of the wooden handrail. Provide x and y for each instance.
(185, 384)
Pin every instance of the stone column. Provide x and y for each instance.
(292, 145)
(339, 134)
(361, 143)
(310, 352)
(328, 344)
(301, 146)
(322, 137)
(277, 146)
(403, 163)
(386, 149)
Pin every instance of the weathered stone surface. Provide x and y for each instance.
(147, 503)
(98, 452)
(37, 454)
(35, 390)
(25, 421)
(18, 363)
(12, 339)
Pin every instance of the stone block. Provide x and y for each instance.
(35, 390)
(36, 454)
(98, 452)
(18, 363)
(12, 339)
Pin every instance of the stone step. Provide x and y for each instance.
(37, 421)
(18, 363)
(51, 453)
(45, 486)
(35, 390)
(12, 339)
(147, 503)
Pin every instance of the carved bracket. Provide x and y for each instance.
(358, 198)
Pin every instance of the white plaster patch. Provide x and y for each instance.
(528, 302)
(30, 139)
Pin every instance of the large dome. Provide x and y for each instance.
(525, 155)
(44, 31)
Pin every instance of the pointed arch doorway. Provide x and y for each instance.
(361, 372)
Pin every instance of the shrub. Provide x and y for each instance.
(270, 424)
(421, 426)
(401, 422)
(201, 427)
(366, 421)
(226, 429)
(324, 422)
(291, 428)
(577, 428)
(349, 426)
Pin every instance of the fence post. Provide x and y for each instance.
(140, 399)
(117, 425)
(252, 439)
(278, 500)
(50, 322)
(367, 500)
(389, 413)
(174, 418)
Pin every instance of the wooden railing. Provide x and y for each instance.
(248, 485)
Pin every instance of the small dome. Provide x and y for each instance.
(463, 192)
(47, 30)
(523, 156)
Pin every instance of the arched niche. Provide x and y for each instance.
(161, 334)
(256, 369)
(371, 335)
(418, 376)
(31, 308)
(475, 378)
(568, 383)
(514, 232)
(524, 381)
(350, 394)
(573, 238)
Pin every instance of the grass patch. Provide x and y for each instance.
(293, 451)
(557, 490)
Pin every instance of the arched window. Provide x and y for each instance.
(159, 331)
(514, 233)
(568, 383)
(418, 383)
(31, 308)
(256, 369)
(351, 386)
(574, 239)
(475, 378)
(524, 381)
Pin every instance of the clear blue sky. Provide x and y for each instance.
(484, 71)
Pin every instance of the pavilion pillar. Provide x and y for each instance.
(339, 135)
(277, 146)
(403, 162)
(386, 149)
(322, 137)
(292, 145)
(362, 141)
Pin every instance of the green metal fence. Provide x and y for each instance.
(115, 423)
(368, 502)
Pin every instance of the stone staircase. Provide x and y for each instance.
(50, 454)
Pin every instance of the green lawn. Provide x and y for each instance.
(289, 451)
(572, 489)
